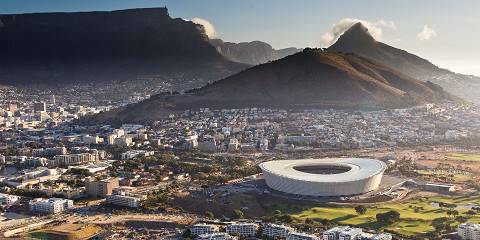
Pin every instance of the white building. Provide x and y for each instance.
(382, 236)
(128, 155)
(469, 231)
(214, 236)
(301, 236)
(333, 233)
(202, 228)
(350, 234)
(276, 231)
(51, 205)
(87, 139)
(123, 200)
(242, 229)
(7, 200)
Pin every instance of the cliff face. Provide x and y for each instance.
(252, 53)
(56, 48)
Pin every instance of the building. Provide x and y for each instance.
(442, 188)
(381, 236)
(333, 233)
(301, 236)
(276, 231)
(324, 177)
(469, 231)
(202, 228)
(215, 236)
(87, 139)
(350, 234)
(101, 188)
(73, 159)
(7, 200)
(123, 200)
(123, 141)
(128, 155)
(242, 229)
(39, 107)
(51, 205)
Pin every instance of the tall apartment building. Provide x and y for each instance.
(276, 231)
(101, 188)
(39, 107)
(469, 231)
(51, 205)
(242, 229)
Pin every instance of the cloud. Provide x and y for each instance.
(426, 34)
(207, 26)
(374, 28)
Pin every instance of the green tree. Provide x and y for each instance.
(209, 214)
(361, 209)
(238, 213)
(388, 218)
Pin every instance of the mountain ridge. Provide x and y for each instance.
(359, 41)
(77, 47)
(253, 53)
(308, 79)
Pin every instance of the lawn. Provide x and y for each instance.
(412, 222)
(463, 156)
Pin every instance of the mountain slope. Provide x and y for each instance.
(358, 40)
(309, 79)
(252, 53)
(58, 48)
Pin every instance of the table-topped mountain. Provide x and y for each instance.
(58, 48)
(309, 79)
(253, 53)
(358, 40)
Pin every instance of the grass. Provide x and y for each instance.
(416, 215)
(463, 157)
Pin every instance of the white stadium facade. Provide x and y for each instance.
(328, 177)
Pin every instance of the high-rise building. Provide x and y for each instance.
(53, 100)
(40, 107)
(469, 231)
(101, 188)
(12, 107)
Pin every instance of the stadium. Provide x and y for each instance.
(324, 177)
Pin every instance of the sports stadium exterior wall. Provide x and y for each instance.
(364, 176)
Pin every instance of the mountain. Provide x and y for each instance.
(252, 53)
(309, 79)
(358, 40)
(125, 45)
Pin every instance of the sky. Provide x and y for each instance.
(445, 32)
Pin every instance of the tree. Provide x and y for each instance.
(361, 209)
(209, 214)
(440, 224)
(461, 219)
(388, 218)
(238, 213)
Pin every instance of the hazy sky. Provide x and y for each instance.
(445, 32)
